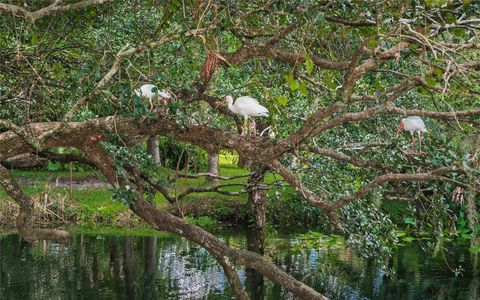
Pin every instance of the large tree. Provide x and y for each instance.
(336, 76)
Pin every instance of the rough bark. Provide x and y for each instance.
(153, 150)
(25, 161)
(53, 8)
(257, 200)
(212, 168)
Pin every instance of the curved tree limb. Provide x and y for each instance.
(24, 218)
(351, 160)
(433, 175)
(198, 175)
(227, 257)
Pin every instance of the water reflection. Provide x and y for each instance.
(168, 267)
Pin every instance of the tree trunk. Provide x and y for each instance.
(256, 234)
(256, 198)
(152, 148)
(25, 216)
(212, 168)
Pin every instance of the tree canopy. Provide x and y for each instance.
(336, 76)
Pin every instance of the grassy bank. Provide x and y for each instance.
(86, 199)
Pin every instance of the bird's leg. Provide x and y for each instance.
(420, 142)
(412, 151)
(254, 128)
(151, 104)
(245, 124)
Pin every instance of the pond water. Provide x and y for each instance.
(94, 266)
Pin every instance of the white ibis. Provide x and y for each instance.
(413, 124)
(245, 106)
(151, 92)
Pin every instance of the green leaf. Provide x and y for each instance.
(308, 64)
(282, 100)
(303, 88)
(329, 81)
(430, 81)
(438, 71)
(372, 43)
(137, 100)
(291, 82)
(377, 86)
(34, 39)
(409, 221)
(423, 90)
(320, 17)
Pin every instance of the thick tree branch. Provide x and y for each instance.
(354, 23)
(351, 160)
(247, 52)
(66, 158)
(430, 176)
(198, 175)
(54, 8)
(451, 115)
(227, 257)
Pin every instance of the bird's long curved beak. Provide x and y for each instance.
(400, 127)
(220, 104)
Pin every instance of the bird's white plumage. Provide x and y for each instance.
(414, 124)
(151, 92)
(164, 94)
(246, 106)
(146, 91)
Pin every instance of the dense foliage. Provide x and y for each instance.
(337, 78)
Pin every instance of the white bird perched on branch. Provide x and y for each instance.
(151, 92)
(245, 106)
(413, 124)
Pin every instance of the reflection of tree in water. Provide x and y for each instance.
(474, 289)
(128, 267)
(148, 289)
(191, 270)
(255, 282)
(113, 267)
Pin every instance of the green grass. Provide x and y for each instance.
(44, 176)
(97, 199)
(108, 230)
(89, 204)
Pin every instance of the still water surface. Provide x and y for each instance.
(168, 267)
